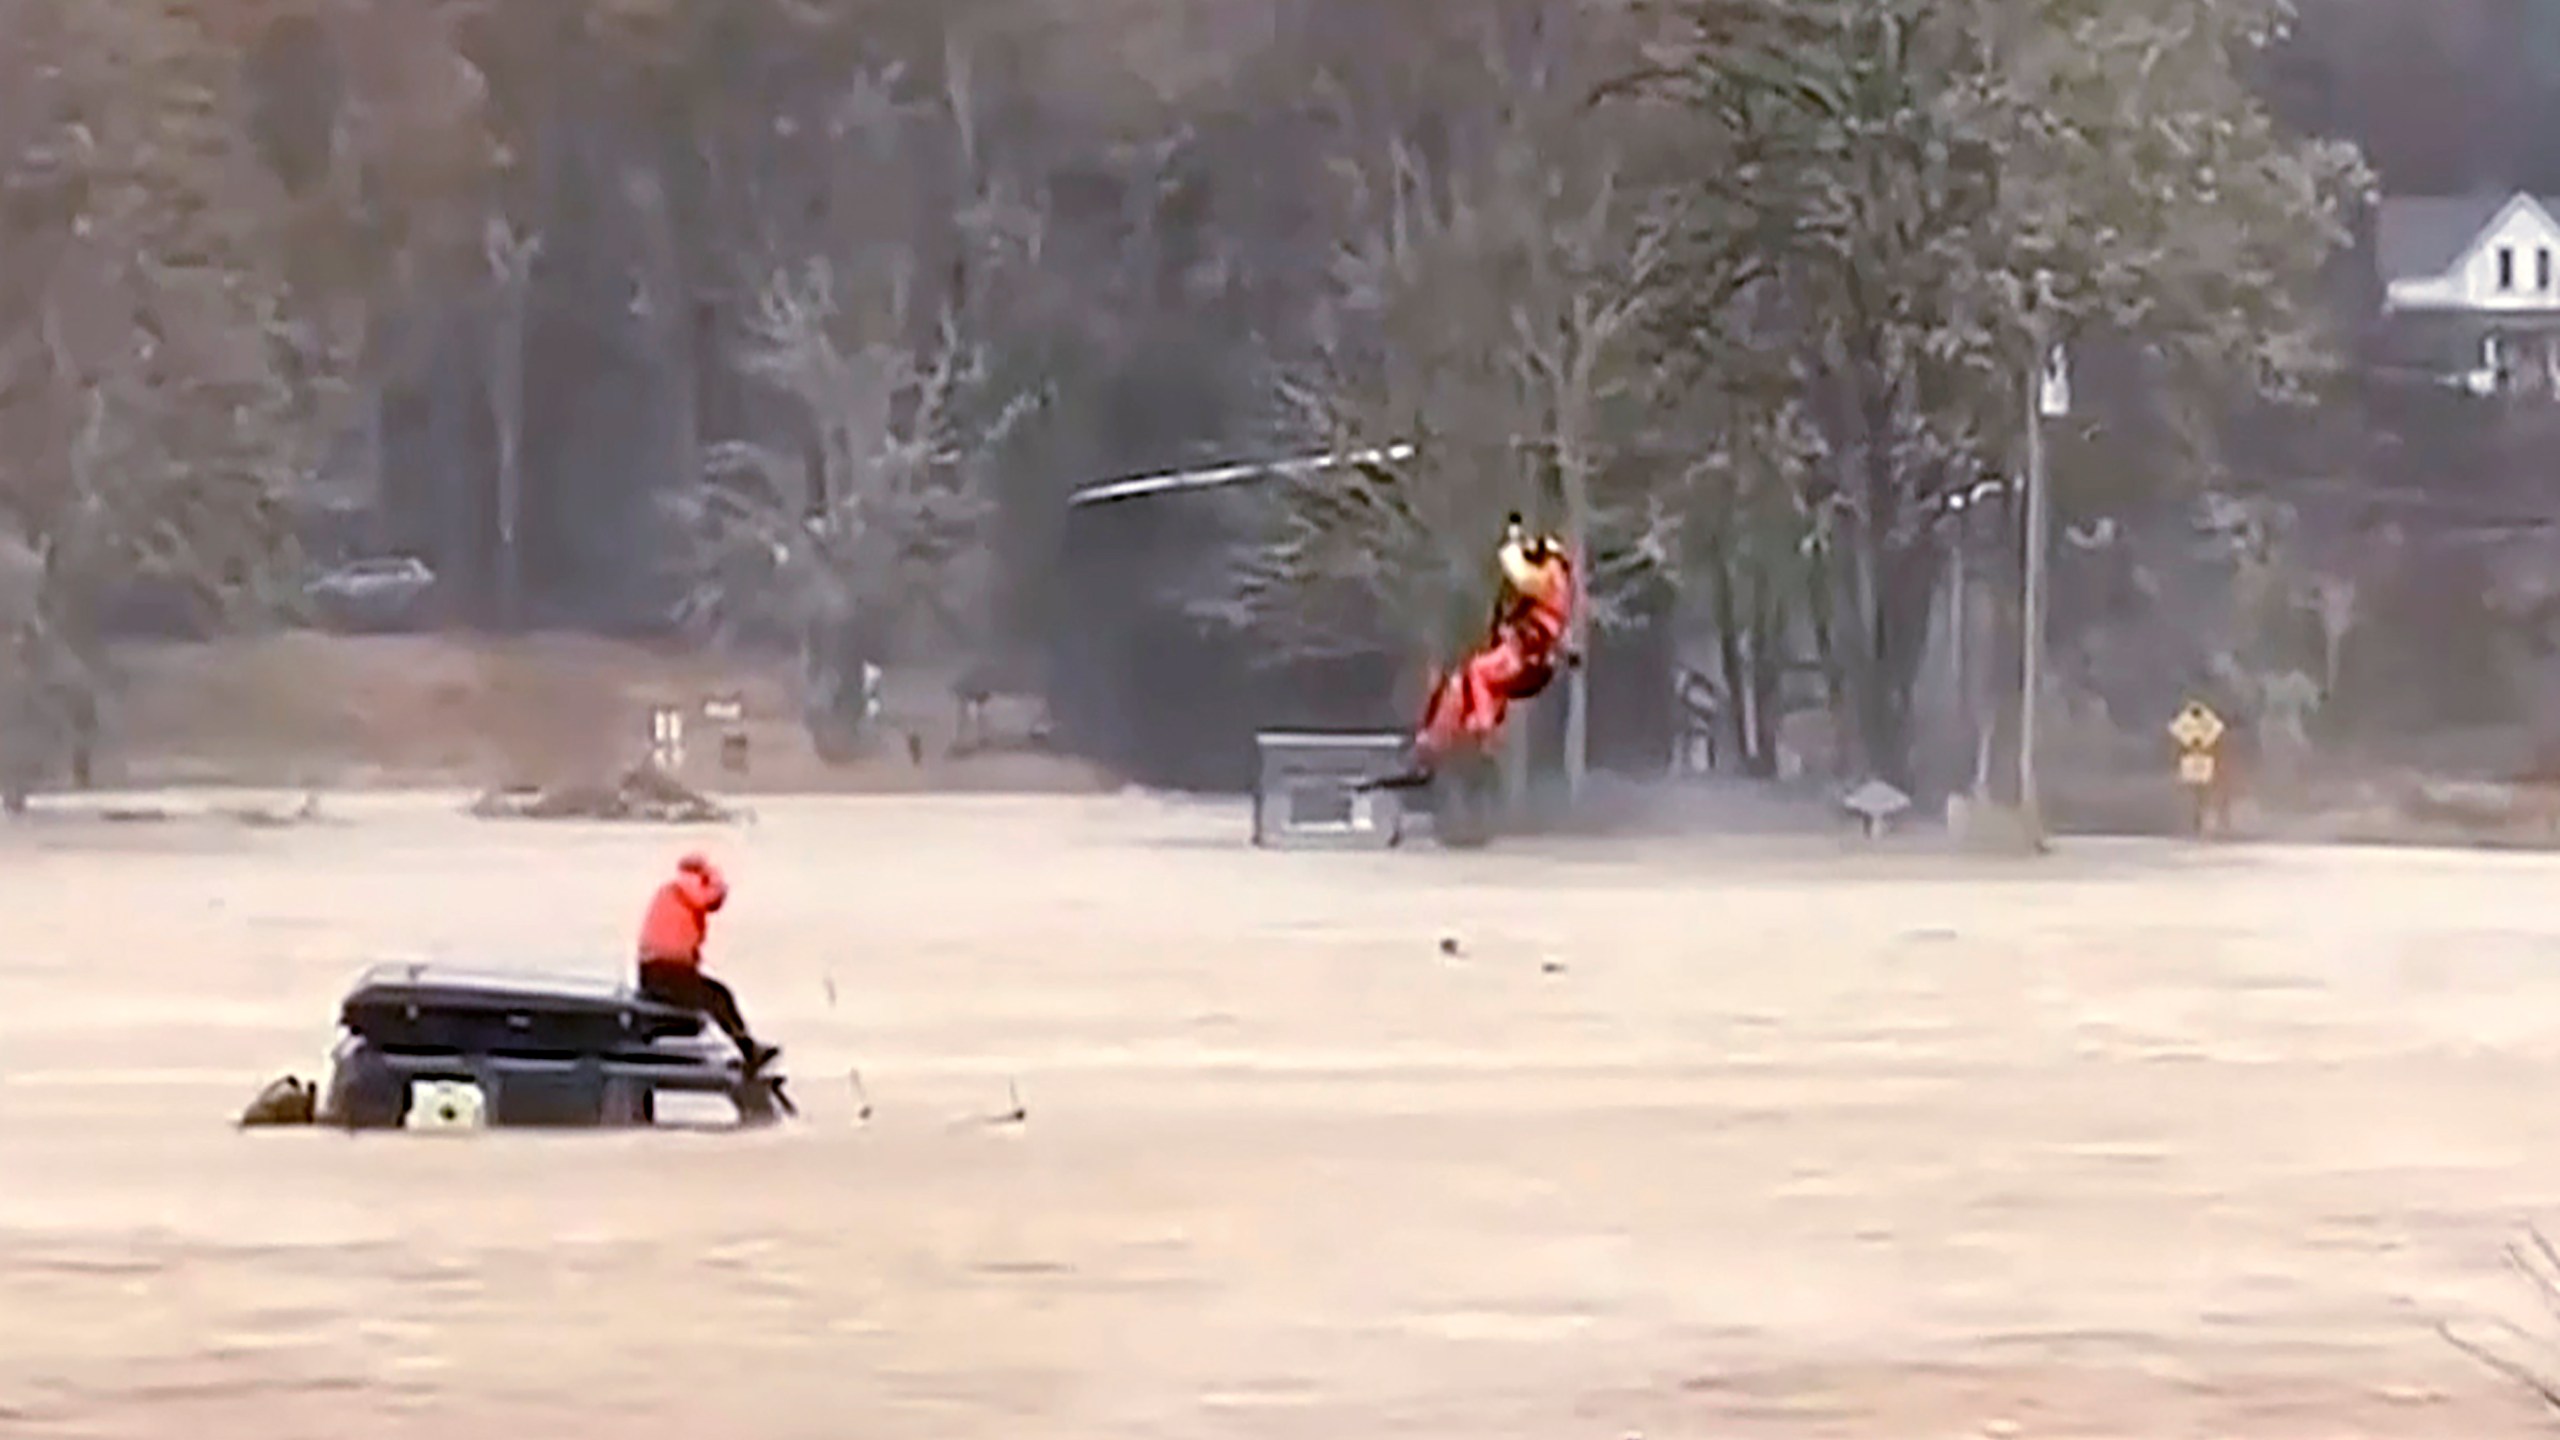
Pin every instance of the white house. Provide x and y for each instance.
(2471, 284)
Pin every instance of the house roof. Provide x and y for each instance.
(2420, 236)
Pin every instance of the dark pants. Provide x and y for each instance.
(671, 982)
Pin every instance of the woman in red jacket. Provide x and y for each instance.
(671, 936)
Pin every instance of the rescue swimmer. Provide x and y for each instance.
(1523, 648)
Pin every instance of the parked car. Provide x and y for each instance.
(391, 592)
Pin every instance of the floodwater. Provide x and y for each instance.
(1687, 1139)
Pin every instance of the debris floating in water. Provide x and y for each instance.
(288, 1101)
(644, 793)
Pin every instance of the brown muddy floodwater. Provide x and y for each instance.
(1689, 1139)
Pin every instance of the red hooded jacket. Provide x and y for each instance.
(680, 913)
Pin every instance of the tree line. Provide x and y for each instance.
(796, 320)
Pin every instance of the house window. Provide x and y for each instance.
(2542, 269)
(2506, 267)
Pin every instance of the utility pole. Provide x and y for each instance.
(1961, 673)
(1577, 680)
(2048, 393)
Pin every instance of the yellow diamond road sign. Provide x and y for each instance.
(2196, 727)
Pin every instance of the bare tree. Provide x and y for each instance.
(1365, 558)
(146, 427)
(1922, 198)
(510, 256)
(1578, 333)
(1490, 308)
(2515, 1355)
(880, 527)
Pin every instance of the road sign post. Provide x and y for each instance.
(666, 738)
(2199, 734)
(729, 713)
(2048, 397)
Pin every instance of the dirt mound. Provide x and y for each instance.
(643, 793)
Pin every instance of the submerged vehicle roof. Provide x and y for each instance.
(462, 984)
(456, 1007)
(495, 980)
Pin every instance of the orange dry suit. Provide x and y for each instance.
(1518, 657)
